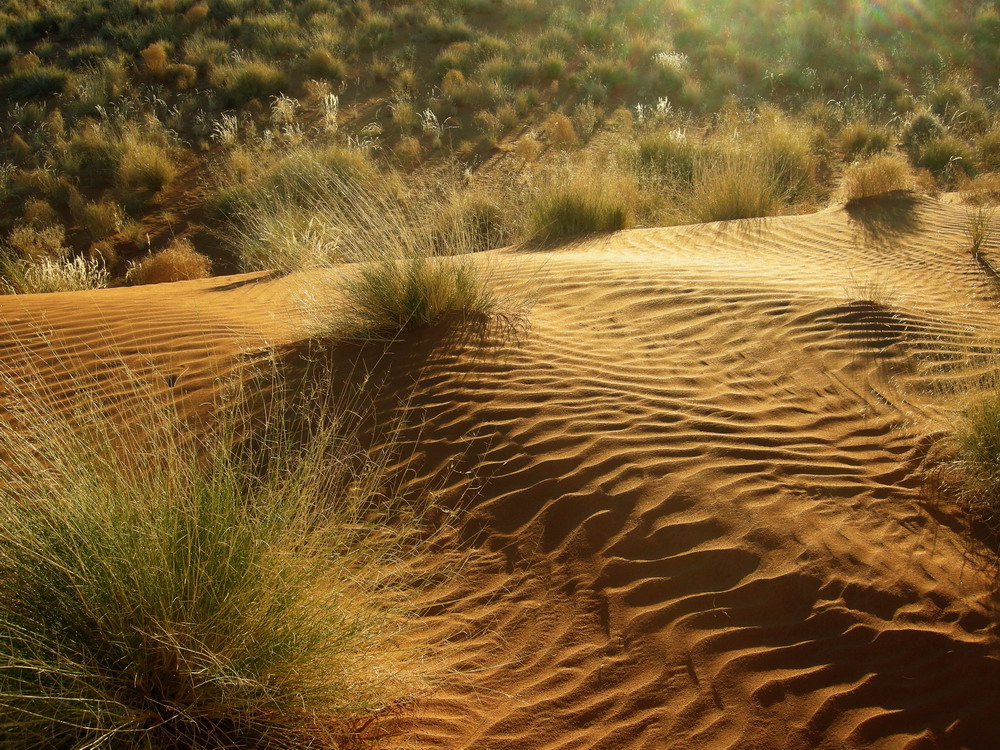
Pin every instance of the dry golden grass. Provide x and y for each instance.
(178, 262)
(877, 175)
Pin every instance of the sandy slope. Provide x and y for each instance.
(693, 482)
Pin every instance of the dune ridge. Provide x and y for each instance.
(694, 483)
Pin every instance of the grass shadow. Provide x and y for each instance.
(884, 219)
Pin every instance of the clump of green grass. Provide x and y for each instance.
(977, 441)
(585, 201)
(861, 139)
(946, 157)
(164, 589)
(668, 152)
(390, 295)
(410, 273)
(735, 183)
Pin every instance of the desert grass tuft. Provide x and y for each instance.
(582, 201)
(391, 295)
(44, 275)
(177, 262)
(979, 226)
(977, 443)
(874, 176)
(171, 589)
(734, 183)
(417, 265)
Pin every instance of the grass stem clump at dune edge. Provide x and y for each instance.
(52, 275)
(876, 175)
(163, 590)
(390, 295)
(734, 184)
(979, 226)
(582, 202)
(978, 455)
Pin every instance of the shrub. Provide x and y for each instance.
(946, 156)
(146, 167)
(320, 63)
(560, 131)
(241, 82)
(280, 222)
(408, 151)
(735, 183)
(92, 154)
(406, 273)
(977, 440)
(100, 219)
(947, 99)
(528, 147)
(177, 262)
(42, 275)
(860, 139)
(670, 153)
(989, 150)
(589, 200)
(390, 295)
(877, 175)
(474, 220)
(35, 83)
(166, 590)
(36, 243)
(922, 127)
(455, 87)
(154, 60)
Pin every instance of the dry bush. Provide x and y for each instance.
(154, 59)
(735, 183)
(47, 274)
(877, 175)
(408, 151)
(581, 201)
(280, 221)
(984, 188)
(100, 219)
(559, 129)
(178, 262)
(39, 213)
(474, 220)
(860, 139)
(35, 243)
(528, 147)
(146, 166)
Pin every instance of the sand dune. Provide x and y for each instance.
(694, 482)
